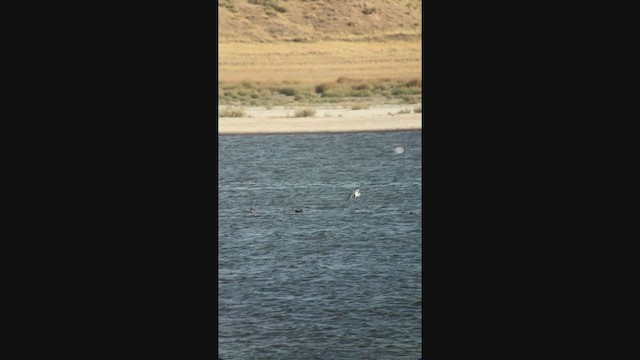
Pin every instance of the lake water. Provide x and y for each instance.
(342, 279)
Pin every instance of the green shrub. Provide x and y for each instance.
(306, 112)
(379, 87)
(406, 91)
(410, 99)
(248, 85)
(413, 83)
(230, 112)
(324, 87)
(287, 91)
(360, 93)
(360, 87)
(336, 93)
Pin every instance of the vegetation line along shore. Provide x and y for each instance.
(360, 91)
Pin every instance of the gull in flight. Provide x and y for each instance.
(355, 194)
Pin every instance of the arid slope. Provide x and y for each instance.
(314, 20)
(297, 53)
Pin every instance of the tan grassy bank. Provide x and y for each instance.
(319, 61)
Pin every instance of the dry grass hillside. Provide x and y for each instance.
(286, 52)
(314, 20)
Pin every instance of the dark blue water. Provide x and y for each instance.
(342, 279)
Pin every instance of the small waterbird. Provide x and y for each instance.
(252, 210)
(298, 210)
(355, 194)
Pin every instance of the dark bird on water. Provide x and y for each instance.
(298, 210)
(252, 210)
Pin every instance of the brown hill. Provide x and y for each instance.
(316, 20)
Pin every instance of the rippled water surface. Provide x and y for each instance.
(342, 279)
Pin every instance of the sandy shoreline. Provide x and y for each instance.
(327, 120)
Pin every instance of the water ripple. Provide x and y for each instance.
(343, 279)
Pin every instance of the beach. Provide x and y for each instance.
(282, 120)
